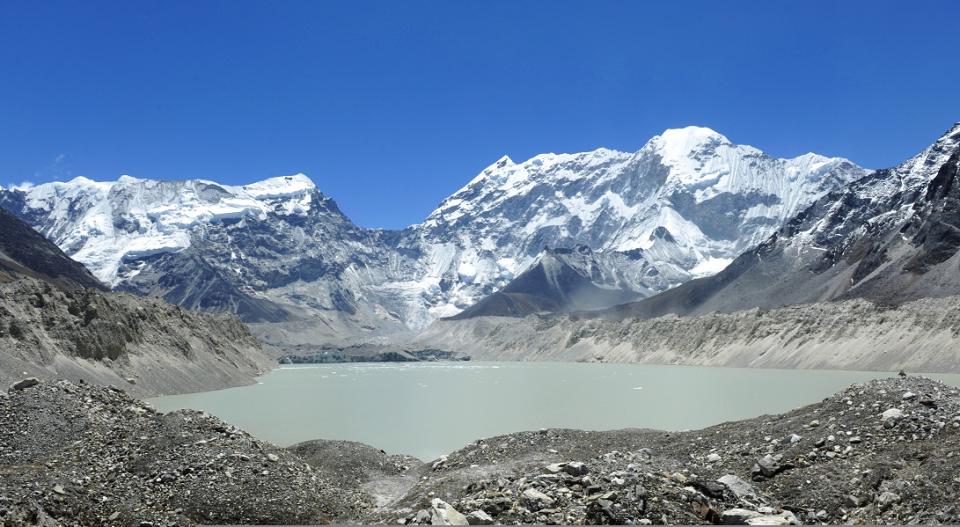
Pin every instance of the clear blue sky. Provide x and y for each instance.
(391, 106)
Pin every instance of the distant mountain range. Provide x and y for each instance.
(889, 237)
(556, 232)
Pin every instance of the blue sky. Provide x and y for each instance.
(391, 106)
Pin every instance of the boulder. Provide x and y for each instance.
(554, 468)
(767, 466)
(891, 417)
(887, 499)
(737, 516)
(713, 457)
(784, 518)
(576, 469)
(23, 384)
(535, 500)
(442, 513)
(479, 517)
(739, 487)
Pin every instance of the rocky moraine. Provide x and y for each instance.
(886, 451)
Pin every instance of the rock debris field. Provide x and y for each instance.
(887, 451)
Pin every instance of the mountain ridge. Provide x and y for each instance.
(280, 251)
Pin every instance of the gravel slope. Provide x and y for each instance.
(145, 345)
(856, 334)
(83, 455)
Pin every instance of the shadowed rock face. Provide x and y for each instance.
(57, 320)
(890, 237)
(565, 280)
(115, 338)
(25, 252)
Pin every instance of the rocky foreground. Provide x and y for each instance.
(84, 455)
(883, 452)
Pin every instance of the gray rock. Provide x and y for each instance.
(479, 518)
(422, 517)
(738, 486)
(273, 458)
(713, 457)
(887, 499)
(535, 500)
(23, 384)
(784, 518)
(856, 501)
(909, 395)
(767, 466)
(442, 513)
(794, 438)
(554, 468)
(891, 417)
(737, 516)
(576, 469)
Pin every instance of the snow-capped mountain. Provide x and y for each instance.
(688, 203)
(683, 206)
(891, 236)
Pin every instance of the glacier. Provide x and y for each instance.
(682, 206)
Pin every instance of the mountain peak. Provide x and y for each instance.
(280, 186)
(689, 137)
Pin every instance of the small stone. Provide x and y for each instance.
(794, 438)
(131, 380)
(855, 440)
(442, 513)
(554, 468)
(737, 486)
(891, 417)
(535, 500)
(908, 396)
(737, 516)
(59, 490)
(767, 466)
(713, 457)
(114, 515)
(784, 518)
(23, 384)
(576, 469)
(856, 501)
(479, 517)
(273, 458)
(887, 499)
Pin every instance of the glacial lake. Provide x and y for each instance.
(431, 409)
